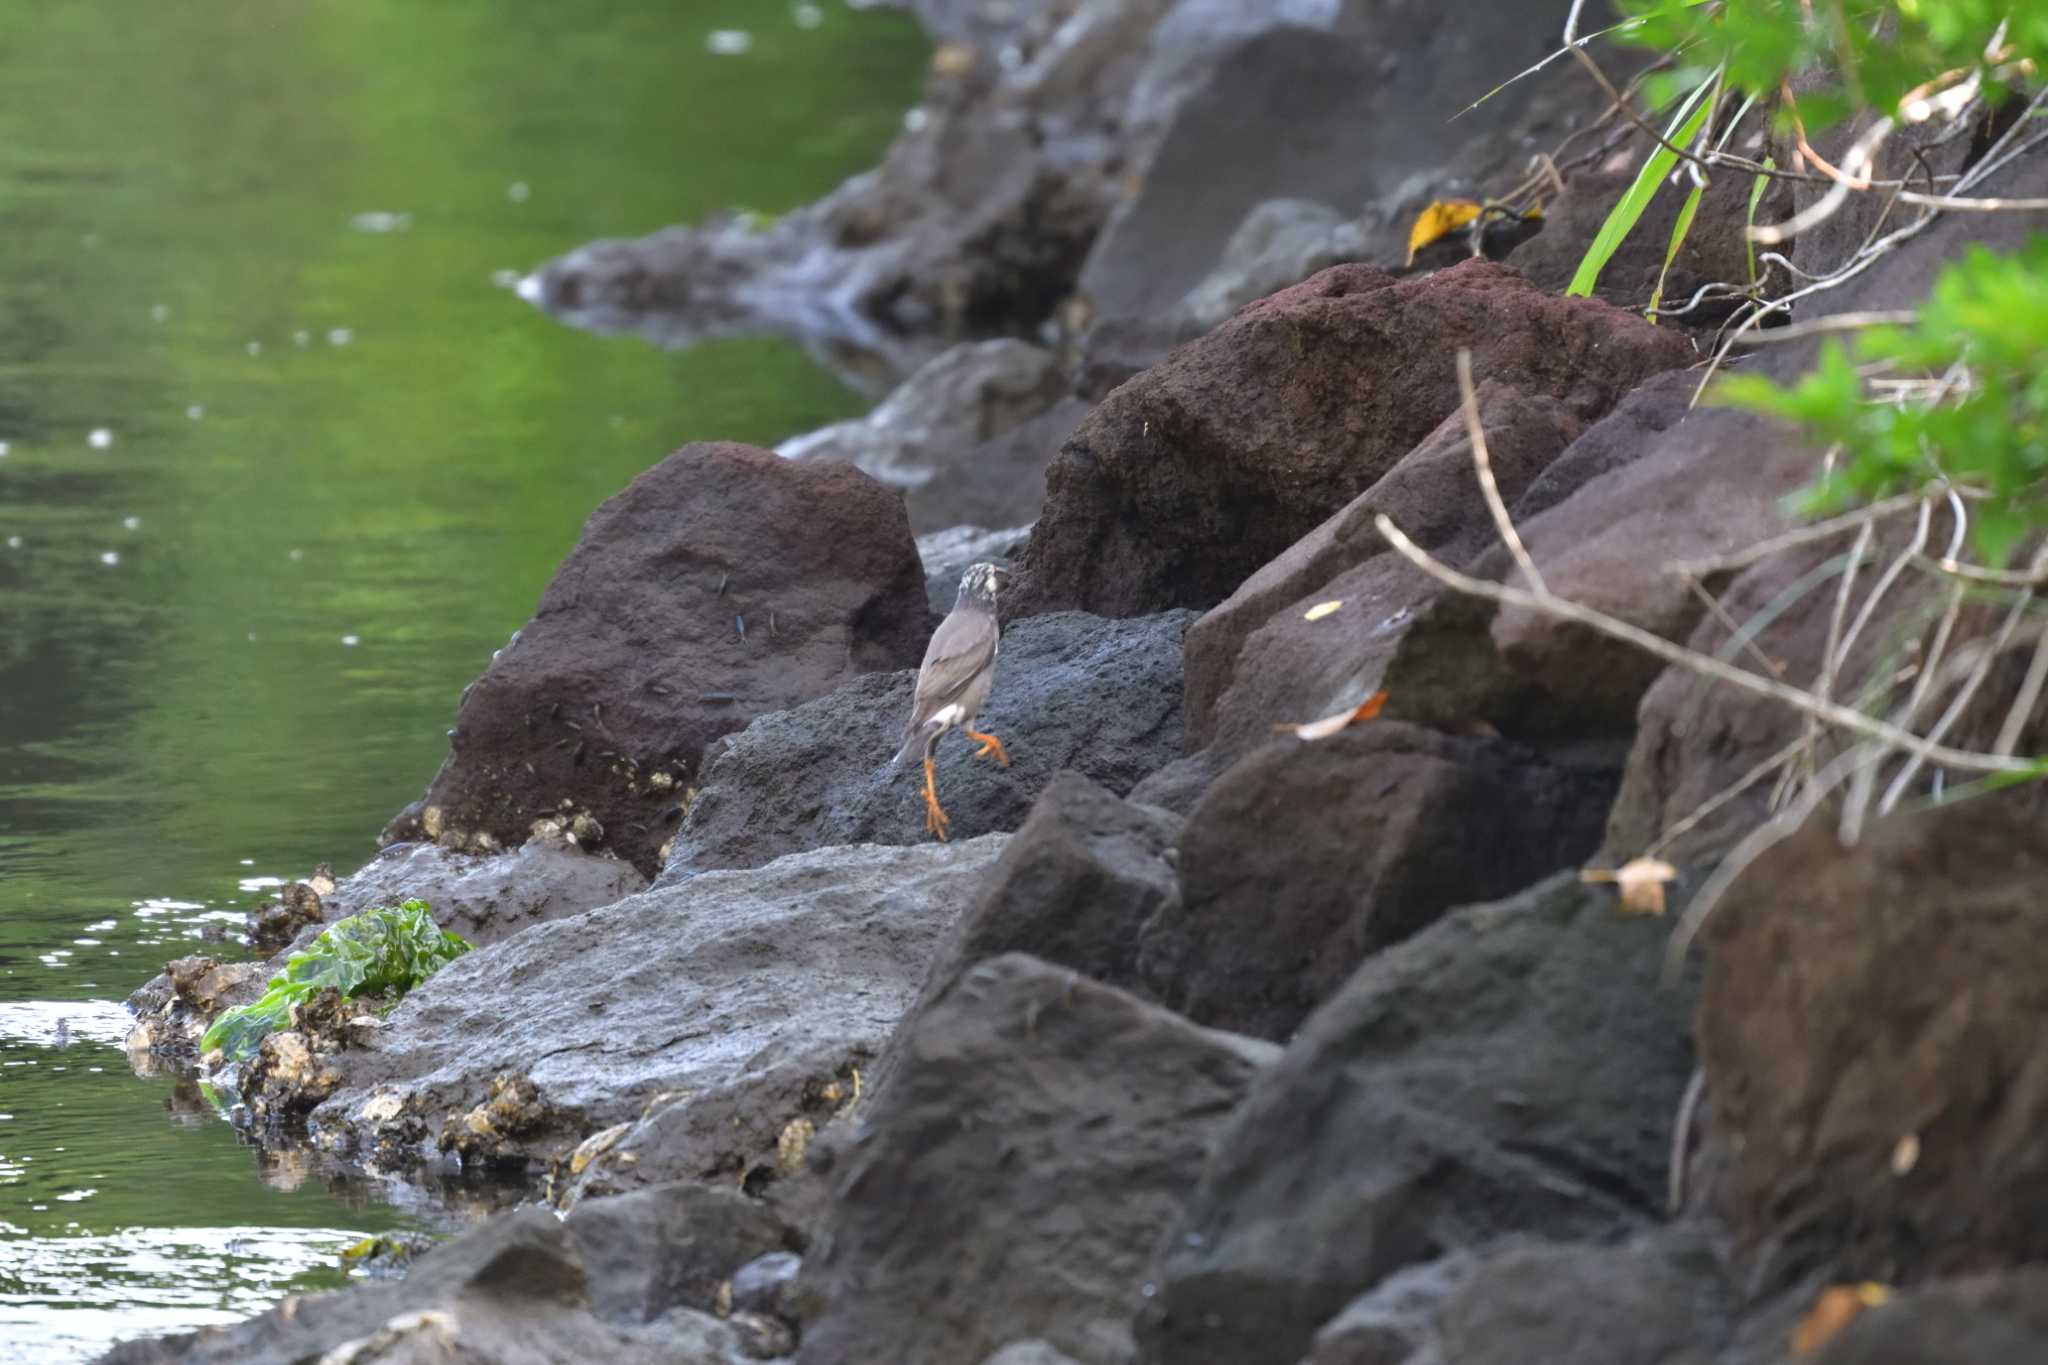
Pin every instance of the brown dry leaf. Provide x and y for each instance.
(1835, 1309)
(1439, 220)
(1330, 725)
(953, 59)
(1640, 881)
(1321, 609)
(1906, 1155)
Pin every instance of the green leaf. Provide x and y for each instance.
(377, 950)
(1622, 219)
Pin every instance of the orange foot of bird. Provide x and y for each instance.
(935, 820)
(990, 745)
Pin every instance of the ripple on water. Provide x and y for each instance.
(68, 1298)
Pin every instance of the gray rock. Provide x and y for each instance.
(1386, 826)
(485, 898)
(961, 436)
(1026, 1095)
(667, 1245)
(762, 1284)
(1071, 691)
(1280, 242)
(1987, 1319)
(1335, 101)
(1030, 1353)
(1394, 1322)
(720, 584)
(514, 1291)
(1514, 1067)
(700, 1022)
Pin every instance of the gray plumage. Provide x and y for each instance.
(959, 665)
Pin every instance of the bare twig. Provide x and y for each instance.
(1834, 322)
(1819, 530)
(2022, 709)
(1483, 463)
(1842, 717)
(1725, 795)
(1681, 1141)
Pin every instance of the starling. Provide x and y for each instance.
(959, 669)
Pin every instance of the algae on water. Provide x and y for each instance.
(379, 949)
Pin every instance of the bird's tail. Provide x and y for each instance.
(916, 743)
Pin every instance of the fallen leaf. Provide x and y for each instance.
(1640, 881)
(1906, 1155)
(1439, 220)
(1835, 1309)
(1330, 725)
(1321, 609)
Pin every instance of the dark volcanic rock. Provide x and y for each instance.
(1074, 888)
(700, 1022)
(1996, 1319)
(648, 1251)
(1433, 495)
(490, 897)
(949, 1238)
(1859, 998)
(946, 555)
(1072, 691)
(1386, 826)
(1180, 484)
(512, 1292)
(1512, 1068)
(636, 657)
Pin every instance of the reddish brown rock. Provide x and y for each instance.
(1871, 1029)
(1185, 480)
(724, 583)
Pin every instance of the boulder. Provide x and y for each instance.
(668, 1245)
(1075, 887)
(515, 1291)
(1870, 1030)
(1387, 826)
(967, 437)
(1281, 242)
(1342, 103)
(1513, 1068)
(721, 584)
(1183, 482)
(1025, 1095)
(677, 1033)
(1072, 691)
(1433, 495)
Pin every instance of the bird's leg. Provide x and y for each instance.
(989, 745)
(934, 818)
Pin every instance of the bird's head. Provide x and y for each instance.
(979, 584)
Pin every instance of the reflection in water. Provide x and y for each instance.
(282, 459)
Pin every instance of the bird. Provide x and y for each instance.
(958, 671)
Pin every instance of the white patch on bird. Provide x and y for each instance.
(947, 715)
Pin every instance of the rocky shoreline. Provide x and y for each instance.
(1199, 1044)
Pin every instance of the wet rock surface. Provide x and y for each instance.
(1182, 483)
(1072, 691)
(706, 1018)
(1512, 1068)
(723, 583)
(1084, 1098)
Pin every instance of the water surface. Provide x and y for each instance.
(282, 459)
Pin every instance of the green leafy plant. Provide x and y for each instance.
(381, 949)
(1688, 125)
(1986, 325)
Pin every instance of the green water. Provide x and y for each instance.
(338, 459)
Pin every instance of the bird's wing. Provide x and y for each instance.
(962, 647)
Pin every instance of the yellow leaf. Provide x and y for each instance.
(1330, 725)
(1321, 609)
(1440, 219)
(1834, 1310)
(1640, 881)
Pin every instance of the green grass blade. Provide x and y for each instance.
(1756, 194)
(1678, 231)
(1622, 219)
